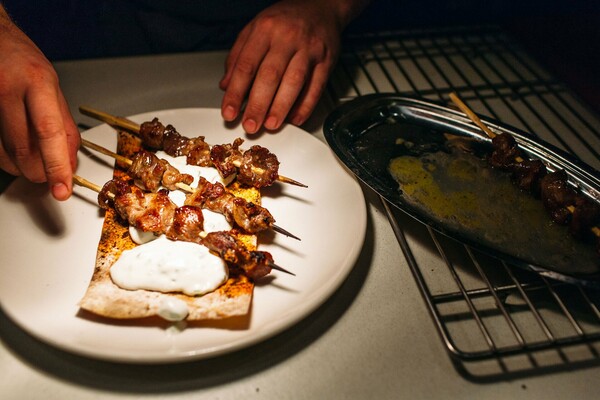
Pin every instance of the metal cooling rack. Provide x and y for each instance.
(482, 307)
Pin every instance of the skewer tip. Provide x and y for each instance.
(279, 229)
(278, 268)
(291, 181)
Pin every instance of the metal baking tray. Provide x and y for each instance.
(370, 131)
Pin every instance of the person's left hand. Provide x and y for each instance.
(281, 62)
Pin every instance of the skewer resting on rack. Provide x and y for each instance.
(179, 223)
(253, 175)
(564, 204)
(153, 172)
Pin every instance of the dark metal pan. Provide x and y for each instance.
(423, 144)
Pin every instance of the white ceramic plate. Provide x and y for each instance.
(49, 249)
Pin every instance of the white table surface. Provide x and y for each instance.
(373, 339)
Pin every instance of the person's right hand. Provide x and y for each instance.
(38, 137)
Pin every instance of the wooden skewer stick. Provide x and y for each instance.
(125, 160)
(133, 127)
(472, 116)
(105, 151)
(78, 180)
(180, 185)
(475, 119)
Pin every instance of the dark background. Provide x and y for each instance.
(563, 35)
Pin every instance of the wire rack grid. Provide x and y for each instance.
(482, 307)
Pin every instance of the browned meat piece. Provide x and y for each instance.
(153, 171)
(528, 174)
(150, 212)
(151, 133)
(110, 190)
(585, 216)
(250, 217)
(174, 145)
(172, 177)
(147, 168)
(254, 264)
(225, 156)
(505, 151)
(197, 152)
(156, 136)
(259, 167)
(155, 212)
(188, 224)
(557, 195)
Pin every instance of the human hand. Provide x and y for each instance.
(38, 137)
(281, 61)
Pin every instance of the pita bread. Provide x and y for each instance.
(106, 299)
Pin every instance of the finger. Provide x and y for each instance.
(16, 141)
(265, 86)
(73, 136)
(233, 55)
(47, 124)
(294, 79)
(242, 76)
(6, 163)
(308, 99)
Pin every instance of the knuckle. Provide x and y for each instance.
(29, 74)
(255, 108)
(233, 98)
(319, 51)
(40, 73)
(266, 24)
(270, 74)
(54, 168)
(19, 151)
(297, 76)
(246, 66)
(47, 128)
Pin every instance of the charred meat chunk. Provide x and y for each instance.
(557, 196)
(506, 151)
(259, 167)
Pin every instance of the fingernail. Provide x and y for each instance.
(250, 126)
(271, 123)
(229, 113)
(60, 191)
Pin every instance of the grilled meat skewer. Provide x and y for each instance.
(152, 172)
(255, 167)
(155, 212)
(564, 204)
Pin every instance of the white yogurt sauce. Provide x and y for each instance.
(173, 309)
(169, 266)
(139, 236)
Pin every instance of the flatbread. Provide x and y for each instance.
(106, 299)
